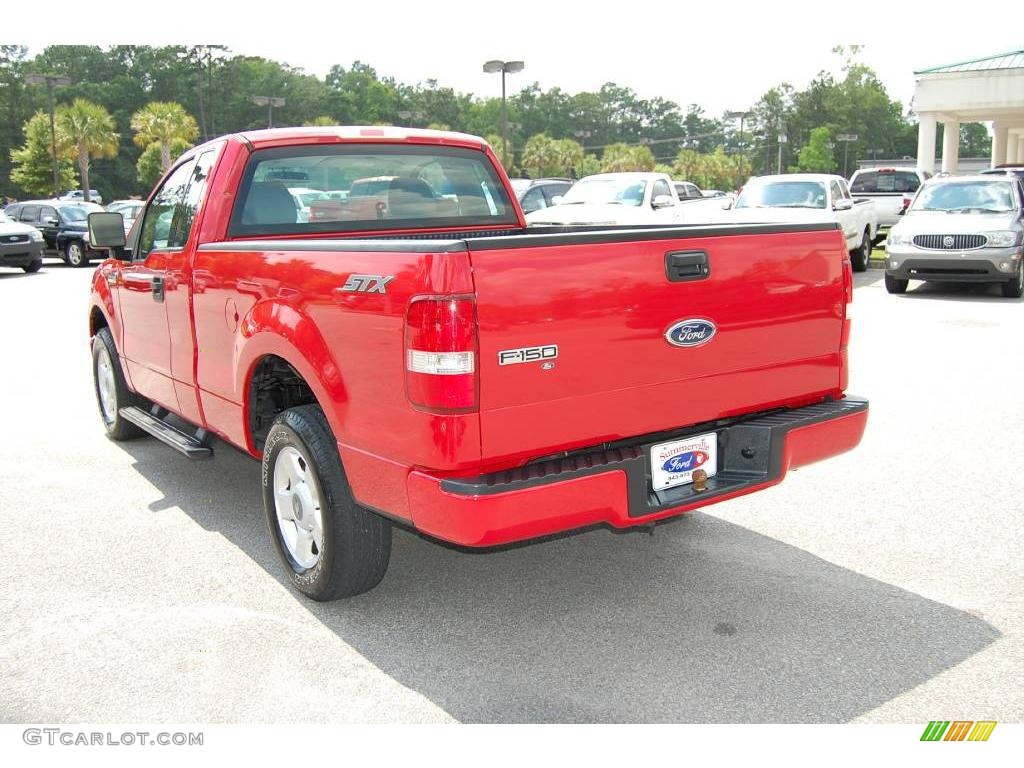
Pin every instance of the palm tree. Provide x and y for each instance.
(164, 123)
(88, 130)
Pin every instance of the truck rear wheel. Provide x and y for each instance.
(860, 258)
(112, 393)
(331, 546)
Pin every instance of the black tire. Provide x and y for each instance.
(35, 266)
(1014, 289)
(75, 254)
(356, 543)
(859, 258)
(895, 284)
(117, 427)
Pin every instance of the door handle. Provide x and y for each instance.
(158, 288)
(684, 266)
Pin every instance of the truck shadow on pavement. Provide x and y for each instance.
(703, 621)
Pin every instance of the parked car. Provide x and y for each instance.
(77, 195)
(63, 224)
(404, 363)
(714, 193)
(687, 190)
(810, 197)
(965, 229)
(537, 194)
(20, 245)
(129, 210)
(1003, 170)
(624, 198)
(891, 190)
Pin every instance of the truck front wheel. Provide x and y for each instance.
(112, 393)
(331, 546)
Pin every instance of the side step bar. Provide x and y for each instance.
(193, 446)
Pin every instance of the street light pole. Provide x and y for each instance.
(742, 116)
(269, 102)
(846, 138)
(51, 82)
(506, 68)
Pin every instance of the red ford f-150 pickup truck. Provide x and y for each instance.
(414, 354)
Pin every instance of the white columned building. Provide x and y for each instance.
(987, 90)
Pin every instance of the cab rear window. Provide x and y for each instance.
(877, 182)
(363, 187)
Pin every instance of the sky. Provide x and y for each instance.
(720, 55)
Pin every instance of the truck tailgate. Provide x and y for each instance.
(775, 294)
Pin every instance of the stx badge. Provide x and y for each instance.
(367, 283)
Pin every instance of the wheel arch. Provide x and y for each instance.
(285, 362)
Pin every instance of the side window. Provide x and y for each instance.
(843, 189)
(193, 196)
(660, 188)
(156, 227)
(837, 192)
(551, 191)
(29, 214)
(534, 200)
(46, 212)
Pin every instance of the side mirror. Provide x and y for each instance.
(556, 199)
(51, 221)
(842, 204)
(727, 205)
(106, 229)
(661, 201)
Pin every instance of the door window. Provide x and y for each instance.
(45, 213)
(29, 214)
(660, 188)
(534, 200)
(156, 226)
(837, 192)
(186, 216)
(552, 191)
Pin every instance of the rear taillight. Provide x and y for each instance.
(844, 339)
(907, 199)
(441, 354)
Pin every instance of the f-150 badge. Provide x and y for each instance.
(543, 354)
(367, 283)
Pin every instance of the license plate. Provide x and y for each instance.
(674, 463)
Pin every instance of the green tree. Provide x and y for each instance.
(150, 166)
(816, 155)
(544, 156)
(89, 130)
(163, 123)
(32, 164)
(623, 157)
(974, 140)
(590, 165)
(321, 121)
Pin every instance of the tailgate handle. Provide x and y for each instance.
(681, 266)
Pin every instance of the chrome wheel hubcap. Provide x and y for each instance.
(297, 506)
(105, 384)
(74, 253)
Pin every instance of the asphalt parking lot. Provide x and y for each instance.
(884, 585)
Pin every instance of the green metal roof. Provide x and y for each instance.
(1011, 60)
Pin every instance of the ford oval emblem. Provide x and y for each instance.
(690, 333)
(685, 462)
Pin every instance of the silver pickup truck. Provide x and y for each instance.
(964, 229)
